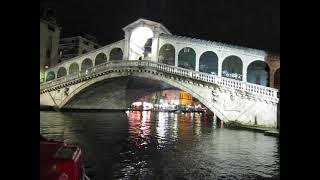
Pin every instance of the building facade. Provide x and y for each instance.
(74, 46)
(49, 44)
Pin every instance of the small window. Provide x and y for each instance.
(86, 43)
(51, 28)
(95, 46)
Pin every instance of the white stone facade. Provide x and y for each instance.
(163, 36)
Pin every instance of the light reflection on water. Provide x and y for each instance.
(148, 145)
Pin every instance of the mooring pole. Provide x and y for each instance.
(214, 121)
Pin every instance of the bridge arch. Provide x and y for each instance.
(232, 67)
(100, 59)
(140, 42)
(187, 58)
(177, 84)
(116, 54)
(258, 73)
(167, 54)
(61, 72)
(50, 76)
(73, 68)
(86, 64)
(208, 63)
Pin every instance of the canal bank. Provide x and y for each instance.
(266, 130)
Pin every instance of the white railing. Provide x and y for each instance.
(222, 81)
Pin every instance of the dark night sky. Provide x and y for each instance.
(249, 23)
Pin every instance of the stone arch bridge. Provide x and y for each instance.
(228, 99)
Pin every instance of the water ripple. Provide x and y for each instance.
(146, 145)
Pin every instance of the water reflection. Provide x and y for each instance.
(149, 145)
(139, 127)
(162, 128)
(197, 124)
(184, 126)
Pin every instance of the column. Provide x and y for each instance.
(155, 47)
(244, 72)
(197, 60)
(271, 78)
(126, 47)
(177, 49)
(220, 60)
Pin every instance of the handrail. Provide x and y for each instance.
(222, 81)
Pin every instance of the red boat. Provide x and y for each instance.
(60, 161)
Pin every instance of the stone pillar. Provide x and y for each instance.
(244, 72)
(271, 77)
(126, 46)
(274, 64)
(197, 61)
(155, 47)
(220, 60)
(221, 124)
(176, 56)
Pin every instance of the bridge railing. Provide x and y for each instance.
(222, 81)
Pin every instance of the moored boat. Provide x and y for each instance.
(60, 161)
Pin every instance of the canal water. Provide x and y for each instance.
(159, 145)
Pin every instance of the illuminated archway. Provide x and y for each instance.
(74, 68)
(100, 59)
(208, 63)
(50, 76)
(86, 64)
(167, 54)
(232, 67)
(116, 54)
(140, 43)
(258, 73)
(61, 72)
(187, 58)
